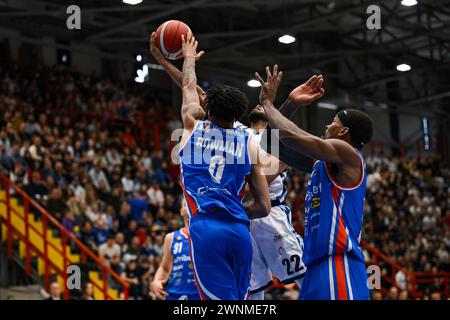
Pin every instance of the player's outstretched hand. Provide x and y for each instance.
(154, 50)
(189, 45)
(157, 288)
(269, 87)
(308, 92)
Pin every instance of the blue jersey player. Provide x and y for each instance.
(216, 162)
(174, 279)
(334, 199)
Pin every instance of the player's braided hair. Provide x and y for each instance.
(226, 103)
(359, 124)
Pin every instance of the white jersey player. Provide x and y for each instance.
(277, 248)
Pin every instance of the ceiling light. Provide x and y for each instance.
(254, 83)
(132, 2)
(328, 106)
(403, 67)
(409, 3)
(286, 39)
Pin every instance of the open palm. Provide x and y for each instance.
(309, 91)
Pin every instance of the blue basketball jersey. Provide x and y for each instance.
(181, 280)
(333, 215)
(214, 166)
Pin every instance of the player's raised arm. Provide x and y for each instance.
(303, 95)
(163, 273)
(191, 111)
(331, 150)
(173, 72)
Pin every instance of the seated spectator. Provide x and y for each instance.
(158, 245)
(155, 195)
(56, 205)
(37, 188)
(134, 250)
(142, 233)
(103, 193)
(393, 294)
(436, 296)
(145, 270)
(120, 241)
(400, 279)
(147, 248)
(94, 214)
(88, 236)
(130, 232)
(131, 277)
(127, 182)
(97, 174)
(19, 175)
(60, 175)
(55, 291)
(37, 151)
(377, 295)
(403, 295)
(88, 292)
(100, 232)
(47, 170)
(138, 204)
(69, 221)
(113, 156)
(111, 253)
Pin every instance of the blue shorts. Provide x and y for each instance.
(171, 296)
(339, 277)
(221, 254)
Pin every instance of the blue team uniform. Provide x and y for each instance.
(214, 166)
(333, 222)
(181, 284)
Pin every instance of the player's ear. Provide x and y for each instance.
(343, 132)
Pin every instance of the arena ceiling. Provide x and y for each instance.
(240, 37)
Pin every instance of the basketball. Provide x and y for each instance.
(168, 38)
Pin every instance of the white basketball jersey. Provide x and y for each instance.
(277, 188)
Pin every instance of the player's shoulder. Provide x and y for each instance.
(170, 237)
(240, 125)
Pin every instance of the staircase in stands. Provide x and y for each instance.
(46, 248)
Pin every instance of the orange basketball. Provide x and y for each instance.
(168, 38)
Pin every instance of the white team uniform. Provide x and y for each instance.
(277, 248)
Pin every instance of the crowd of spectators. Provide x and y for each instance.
(407, 217)
(120, 198)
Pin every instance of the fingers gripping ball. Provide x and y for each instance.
(168, 38)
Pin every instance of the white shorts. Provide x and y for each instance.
(277, 250)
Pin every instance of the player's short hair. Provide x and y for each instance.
(226, 103)
(360, 126)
